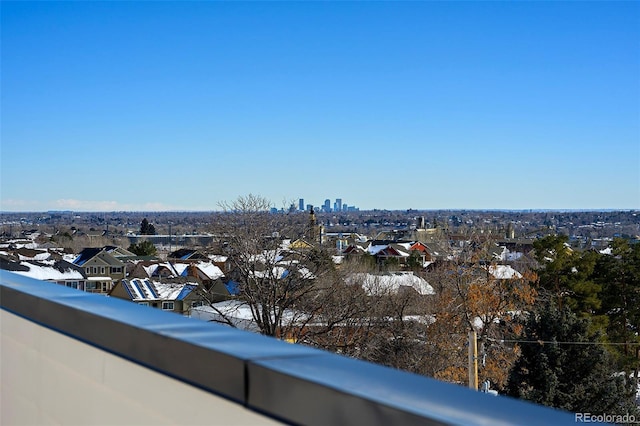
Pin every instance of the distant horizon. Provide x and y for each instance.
(358, 211)
(178, 106)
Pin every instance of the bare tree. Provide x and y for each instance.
(280, 284)
(477, 292)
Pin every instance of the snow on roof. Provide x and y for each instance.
(144, 289)
(380, 285)
(38, 257)
(280, 272)
(239, 314)
(211, 270)
(403, 253)
(504, 272)
(218, 257)
(49, 273)
(375, 249)
(276, 271)
(168, 291)
(422, 319)
(181, 268)
(152, 269)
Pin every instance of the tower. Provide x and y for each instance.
(313, 226)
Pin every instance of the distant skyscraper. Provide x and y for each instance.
(338, 206)
(301, 204)
(327, 205)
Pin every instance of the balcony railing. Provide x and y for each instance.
(70, 357)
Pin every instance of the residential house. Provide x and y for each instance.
(101, 268)
(59, 272)
(205, 273)
(400, 252)
(221, 261)
(173, 297)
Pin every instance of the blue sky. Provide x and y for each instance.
(391, 105)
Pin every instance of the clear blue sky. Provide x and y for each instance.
(392, 105)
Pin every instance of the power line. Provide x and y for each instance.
(554, 342)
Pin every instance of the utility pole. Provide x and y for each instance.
(473, 360)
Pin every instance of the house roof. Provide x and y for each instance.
(218, 257)
(504, 272)
(152, 269)
(8, 264)
(186, 254)
(60, 271)
(32, 254)
(147, 290)
(86, 254)
(210, 270)
(300, 243)
(380, 285)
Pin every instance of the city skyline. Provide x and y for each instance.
(181, 106)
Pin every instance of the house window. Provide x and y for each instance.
(105, 287)
(197, 303)
(167, 306)
(73, 284)
(143, 303)
(102, 270)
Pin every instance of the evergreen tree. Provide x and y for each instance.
(567, 275)
(619, 275)
(147, 228)
(143, 248)
(568, 369)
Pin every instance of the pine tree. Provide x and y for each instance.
(143, 248)
(568, 369)
(619, 275)
(567, 276)
(147, 228)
